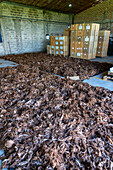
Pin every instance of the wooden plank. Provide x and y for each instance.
(89, 5)
(59, 5)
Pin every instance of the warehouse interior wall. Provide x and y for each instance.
(101, 13)
(24, 29)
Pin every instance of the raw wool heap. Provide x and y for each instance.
(59, 65)
(52, 123)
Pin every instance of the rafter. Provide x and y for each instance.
(58, 5)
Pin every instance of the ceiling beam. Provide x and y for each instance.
(60, 6)
(34, 7)
(89, 6)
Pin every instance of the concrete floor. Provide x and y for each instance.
(97, 80)
(2, 154)
(104, 59)
(6, 63)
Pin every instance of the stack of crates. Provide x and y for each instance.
(59, 45)
(48, 49)
(52, 44)
(76, 45)
(84, 39)
(103, 42)
(67, 32)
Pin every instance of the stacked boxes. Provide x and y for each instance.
(90, 41)
(84, 38)
(59, 45)
(52, 44)
(48, 49)
(67, 32)
(77, 31)
(52, 40)
(103, 41)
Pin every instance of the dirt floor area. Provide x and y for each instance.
(47, 122)
(60, 65)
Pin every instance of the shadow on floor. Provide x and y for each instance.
(108, 59)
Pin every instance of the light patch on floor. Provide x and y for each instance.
(96, 81)
(6, 63)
